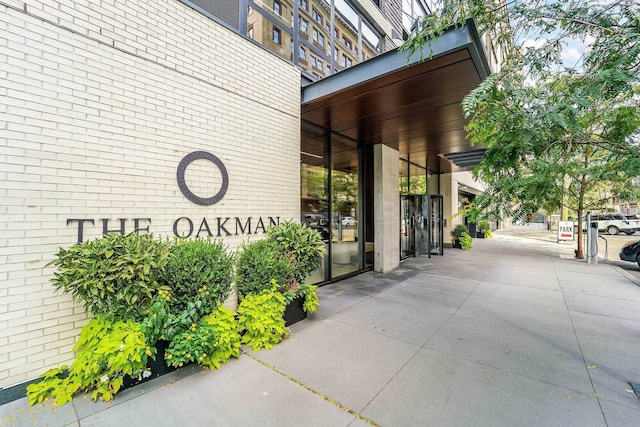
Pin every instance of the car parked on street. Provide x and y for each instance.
(348, 221)
(631, 251)
(614, 223)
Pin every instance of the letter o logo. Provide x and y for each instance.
(182, 184)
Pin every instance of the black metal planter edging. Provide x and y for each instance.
(157, 367)
(294, 312)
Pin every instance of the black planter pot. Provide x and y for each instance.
(480, 235)
(157, 367)
(456, 244)
(294, 312)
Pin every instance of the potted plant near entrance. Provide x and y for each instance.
(460, 237)
(484, 229)
(282, 262)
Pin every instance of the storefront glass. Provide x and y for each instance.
(314, 200)
(345, 249)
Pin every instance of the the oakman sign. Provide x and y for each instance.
(184, 227)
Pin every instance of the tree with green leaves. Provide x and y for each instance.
(556, 134)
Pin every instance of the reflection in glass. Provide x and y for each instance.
(404, 177)
(276, 34)
(314, 200)
(345, 250)
(271, 23)
(417, 179)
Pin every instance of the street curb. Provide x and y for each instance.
(627, 275)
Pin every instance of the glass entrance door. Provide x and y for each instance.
(421, 225)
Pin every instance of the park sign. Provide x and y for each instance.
(565, 230)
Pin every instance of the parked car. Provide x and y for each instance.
(631, 252)
(614, 223)
(348, 221)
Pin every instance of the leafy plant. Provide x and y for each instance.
(107, 350)
(302, 245)
(199, 274)
(460, 234)
(113, 275)
(459, 231)
(258, 263)
(192, 345)
(224, 323)
(308, 292)
(466, 241)
(154, 326)
(484, 227)
(260, 317)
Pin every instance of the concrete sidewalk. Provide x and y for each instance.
(512, 332)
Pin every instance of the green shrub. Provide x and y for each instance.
(191, 345)
(302, 245)
(260, 316)
(106, 351)
(199, 276)
(459, 231)
(466, 241)
(225, 324)
(113, 275)
(484, 227)
(258, 263)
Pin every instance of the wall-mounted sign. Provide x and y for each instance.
(565, 230)
(182, 184)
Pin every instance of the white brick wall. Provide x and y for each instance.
(99, 102)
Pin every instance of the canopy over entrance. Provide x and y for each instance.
(412, 106)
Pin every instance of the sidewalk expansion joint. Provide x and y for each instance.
(306, 387)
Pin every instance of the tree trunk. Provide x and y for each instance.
(579, 253)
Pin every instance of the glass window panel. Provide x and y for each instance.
(404, 177)
(314, 200)
(347, 13)
(371, 47)
(276, 38)
(345, 249)
(417, 179)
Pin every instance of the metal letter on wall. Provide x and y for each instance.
(182, 184)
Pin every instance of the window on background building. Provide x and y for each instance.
(277, 7)
(320, 64)
(303, 54)
(347, 43)
(277, 35)
(302, 4)
(344, 60)
(349, 62)
(313, 61)
(335, 54)
(336, 32)
(250, 31)
(316, 16)
(318, 37)
(304, 25)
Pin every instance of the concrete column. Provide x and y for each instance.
(449, 188)
(386, 215)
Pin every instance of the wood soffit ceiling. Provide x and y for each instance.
(415, 109)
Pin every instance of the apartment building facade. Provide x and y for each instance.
(190, 119)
